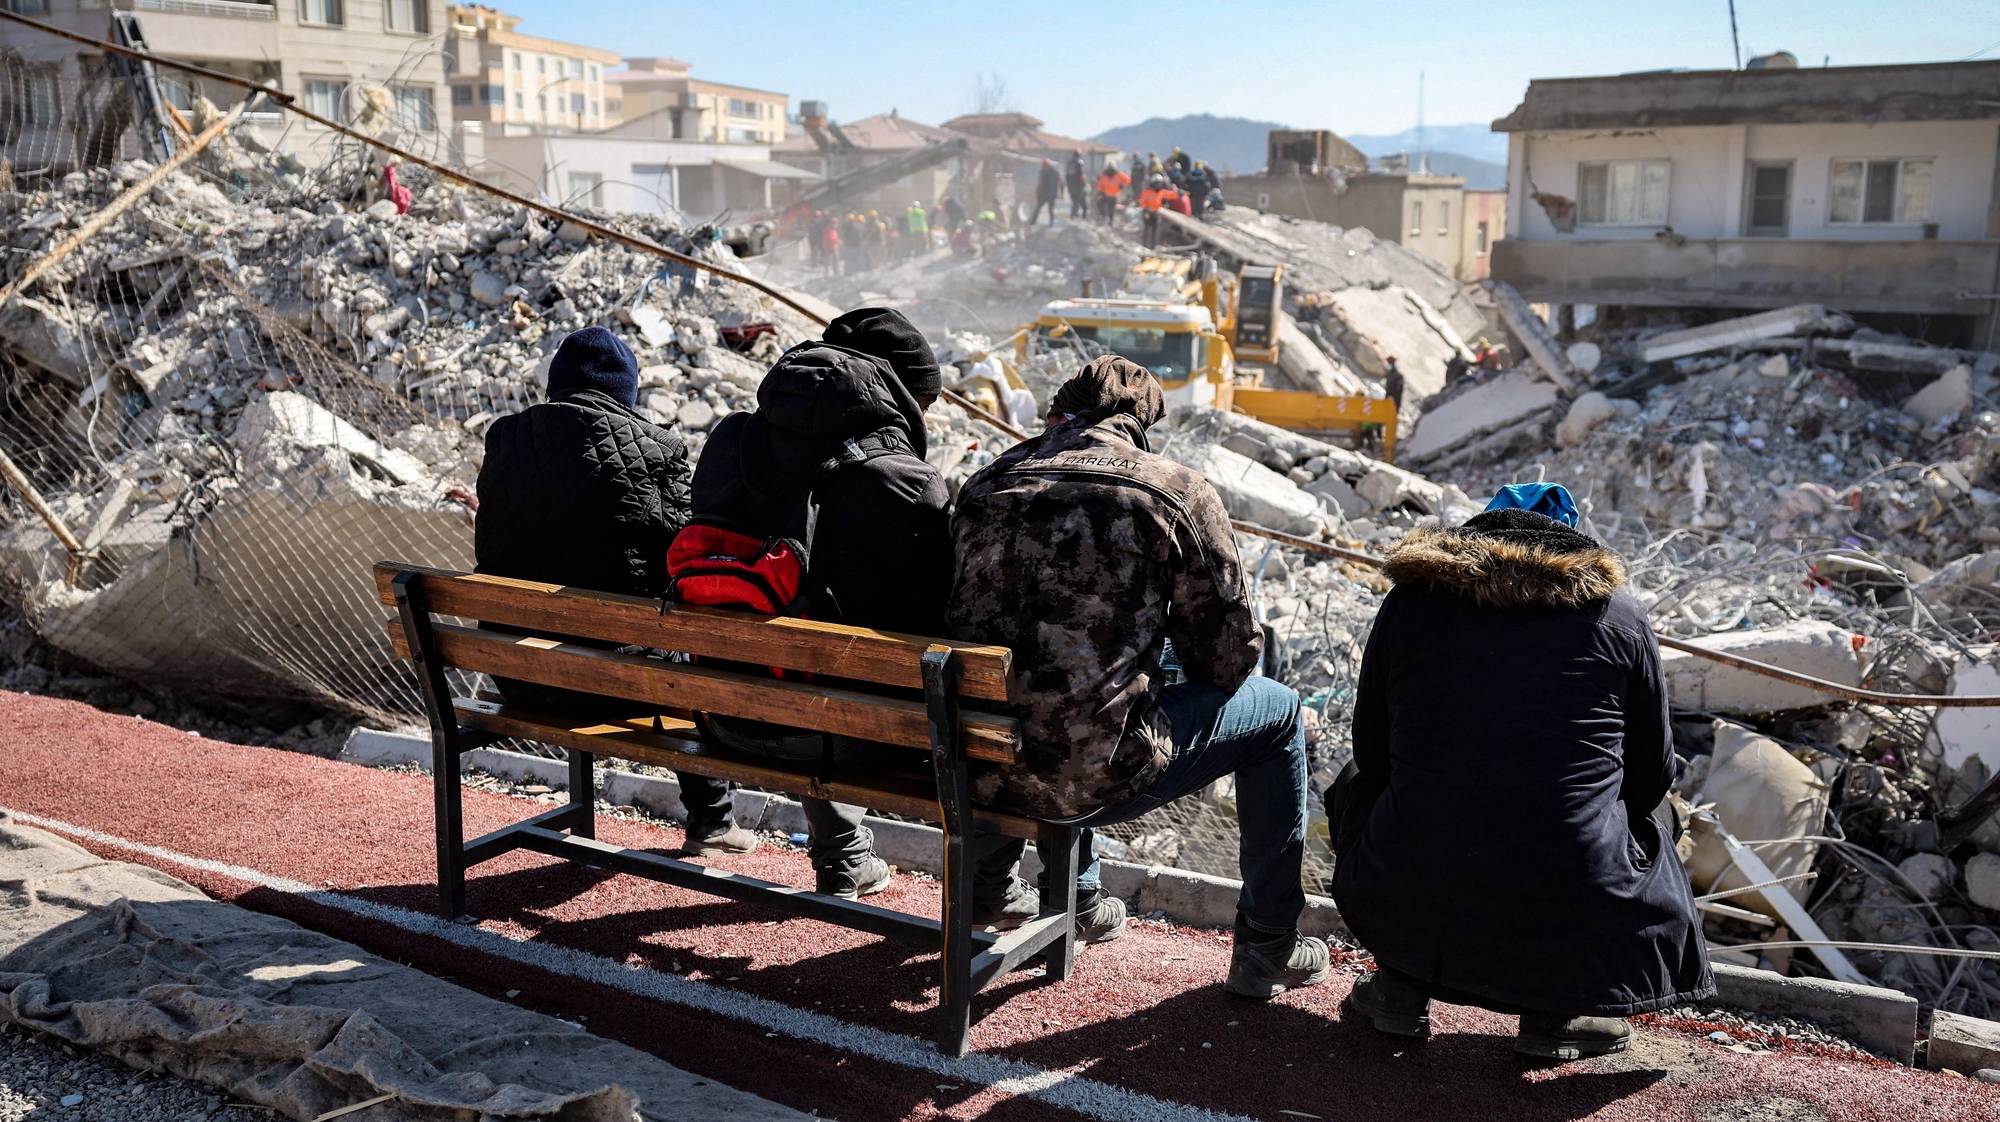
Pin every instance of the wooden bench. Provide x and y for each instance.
(904, 691)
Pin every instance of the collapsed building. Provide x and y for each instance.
(254, 382)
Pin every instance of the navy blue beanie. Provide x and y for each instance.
(595, 359)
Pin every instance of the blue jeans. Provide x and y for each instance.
(1255, 734)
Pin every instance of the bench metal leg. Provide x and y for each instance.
(955, 986)
(1058, 850)
(448, 796)
(446, 743)
(583, 794)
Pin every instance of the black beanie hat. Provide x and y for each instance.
(883, 333)
(595, 359)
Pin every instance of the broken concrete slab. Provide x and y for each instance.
(1811, 647)
(1250, 491)
(1302, 362)
(1585, 413)
(1533, 334)
(1874, 356)
(1945, 398)
(1340, 495)
(1961, 734)
(1800, 319)
(1387, 487)
(1962, 1044)
(1500, 402)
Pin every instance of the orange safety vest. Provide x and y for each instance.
(1114, 184)
(1151, 198)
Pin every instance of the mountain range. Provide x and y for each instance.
(1238, 144)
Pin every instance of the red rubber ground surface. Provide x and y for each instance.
(1146, 1013)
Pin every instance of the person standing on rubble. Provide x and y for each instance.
(1111, 184)
(1083, 552)
(1503, 837)
(917, 224)
(581, 490)
(1079, 207)
(1150, 202)
(833, 458)
(1048, 185)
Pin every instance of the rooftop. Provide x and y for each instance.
(1939, 91)
(884, 132)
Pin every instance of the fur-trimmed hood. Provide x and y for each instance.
(1509, 559)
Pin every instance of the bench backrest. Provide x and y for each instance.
(854, 654)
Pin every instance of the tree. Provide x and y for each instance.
(990, 93)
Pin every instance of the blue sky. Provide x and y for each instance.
(1352, 67)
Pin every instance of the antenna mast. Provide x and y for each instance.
(1423, 138)
(1735, 43)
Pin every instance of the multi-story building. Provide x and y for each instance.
(511, 82)
(320, 51)
(1485, 222)
(658, 96)
(1868, 188)
(1423, 212)
(831, 149)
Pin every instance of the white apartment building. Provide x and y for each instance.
(511, 82)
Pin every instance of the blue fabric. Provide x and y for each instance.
(1256, 734)
(1551, 499)
(595, 359)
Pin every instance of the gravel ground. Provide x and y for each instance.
(45, 1080)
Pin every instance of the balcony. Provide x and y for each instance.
(225, 9)
(1933, 277)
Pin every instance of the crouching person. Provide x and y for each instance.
(581, 490)
(1501, 838)
(1082, 551)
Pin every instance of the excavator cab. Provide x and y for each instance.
(1259, 296)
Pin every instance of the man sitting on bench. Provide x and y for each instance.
(1082, 551)
(581, 490)
(833, 458)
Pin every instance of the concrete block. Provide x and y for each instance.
(1982, 880)
(1386, 487)
(1585, 413)
(1251, 491)
(1498, 403)
(1340, 494)
(1879, 1019)
(1807, 646)
(1733, 332)
(1962, 1044)
(1947, 397)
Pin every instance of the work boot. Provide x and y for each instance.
(1100, 917)
(1392, 1005)
(730, 841)
(865, 879)
(1263, 965)
(1017, 905)
(1553, 1036)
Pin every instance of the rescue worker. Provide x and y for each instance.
(1111, 183)
(1047, 187)
(1393, 383)
(1200, 185)
(1083, 552)
(1502, 834)
(1150, 201)
(839, 425)
(1136, 179)
(581, 490)
(917, 224)
(1079, 206)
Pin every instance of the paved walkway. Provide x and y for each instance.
(825, 1019)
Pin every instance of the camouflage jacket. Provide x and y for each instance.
(1081, 550)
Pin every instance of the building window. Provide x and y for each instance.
(541, 65)
(415, 111)
(742, 107)
(1622, 193)
(1444, 219)
(461, 95)
(542, 104)
(1770, 199)
(586, 188)
(408, 15)
(1479, 238)
(576, 68)
(738, 134)
(1416, 220)
(576, 104)
(514, 60)
(594, 72)
(595, 113)
(324, 96)
(520, 101)
(495, 95)
(1880, 191)
(321, 11)
(39, 102)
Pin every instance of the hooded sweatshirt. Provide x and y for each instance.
(837, 425)
(1081, 551)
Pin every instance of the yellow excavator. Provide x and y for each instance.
(1209, 337)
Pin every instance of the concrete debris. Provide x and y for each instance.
(1801, 319)
(1481, 420)
(1533, 334)
(1944, 399)
(1806, 646)
(1587, 412)
(1251, 491)
(1758, 791)
(1982, 880)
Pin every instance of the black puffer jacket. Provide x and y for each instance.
(1511, 741)
(837, 424)
(583, 491)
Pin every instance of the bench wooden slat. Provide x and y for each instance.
(820, 708)
(856, 653)
(911, 796)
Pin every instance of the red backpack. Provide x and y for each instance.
(717, 567)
